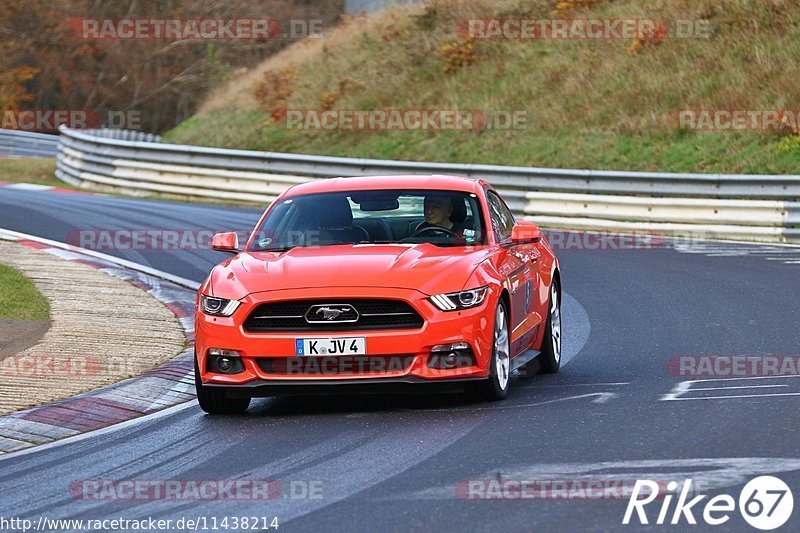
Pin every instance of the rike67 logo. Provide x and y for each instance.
(765, 503)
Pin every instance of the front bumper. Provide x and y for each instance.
(402, 385)
(473, 326)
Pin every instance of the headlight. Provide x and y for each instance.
(217, 306)
(460, 300)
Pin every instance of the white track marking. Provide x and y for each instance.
(29, 187)
(706, 474)
(183, 282)
(604, 397)
(738, 396)
(682, 389)
(740, 387)
(788, 254)
(599, 397)
(98, 432)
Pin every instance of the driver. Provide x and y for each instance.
(438, 208)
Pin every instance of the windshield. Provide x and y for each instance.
(443, 218)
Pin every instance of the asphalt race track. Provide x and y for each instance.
(615, 412)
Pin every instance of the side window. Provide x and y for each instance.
(502, 218)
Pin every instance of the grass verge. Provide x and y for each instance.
(38, 170)
(19, 298)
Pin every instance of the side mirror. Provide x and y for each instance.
(225, 242)
(525, 232)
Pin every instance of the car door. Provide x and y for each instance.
(516, 265)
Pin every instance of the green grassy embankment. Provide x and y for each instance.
(588, 103)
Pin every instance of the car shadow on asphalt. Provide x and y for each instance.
(357, 404)
(353, 404)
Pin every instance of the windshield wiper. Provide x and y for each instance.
(277, 249)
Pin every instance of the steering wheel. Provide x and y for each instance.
(433, 229)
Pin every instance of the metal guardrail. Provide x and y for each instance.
(744, 206)
(126, 135)
(16, 143)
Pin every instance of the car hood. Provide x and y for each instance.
(424, 267)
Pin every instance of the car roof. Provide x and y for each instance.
(371, 183)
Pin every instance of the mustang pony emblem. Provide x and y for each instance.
(330, 313)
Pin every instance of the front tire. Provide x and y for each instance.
(550, 357)
(215, 402)
(496, 387)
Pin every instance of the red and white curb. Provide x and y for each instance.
(166, 386)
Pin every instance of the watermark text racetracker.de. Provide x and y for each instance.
(47, 366)
(197, 523)
(405, 119)
(196, 490)
(727, 120)
(581, 28)
(148, 239)
(142, 239)
(208, 29)
(734, 366)
(513, 489)
(61, 366)
(49, 120)
(603, 240)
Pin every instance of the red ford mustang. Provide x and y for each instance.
(377, 284)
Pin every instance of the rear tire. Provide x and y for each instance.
(496, 387)
(216, 402)
(550, 357)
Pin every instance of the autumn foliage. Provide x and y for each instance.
(45, 64)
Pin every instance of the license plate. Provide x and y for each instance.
(331, 346)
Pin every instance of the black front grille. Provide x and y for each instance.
(365, 314)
